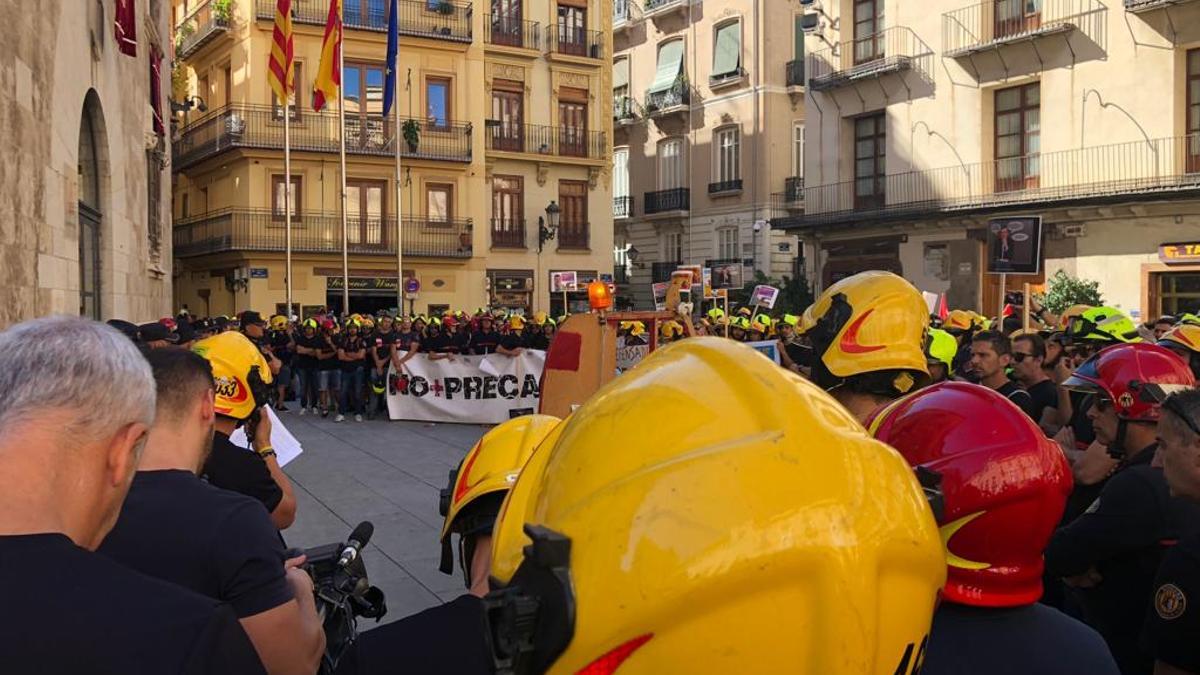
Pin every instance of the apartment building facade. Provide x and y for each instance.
(929, 119)
(85, 227)
(708, 108)
(503, 121)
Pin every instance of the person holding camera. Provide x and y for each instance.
(215, 542)
(242, 378)
(67, 456)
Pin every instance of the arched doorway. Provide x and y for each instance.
(91, 168)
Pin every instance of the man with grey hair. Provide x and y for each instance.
(78, 399)
(1173, 620)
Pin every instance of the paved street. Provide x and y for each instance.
(388, 473)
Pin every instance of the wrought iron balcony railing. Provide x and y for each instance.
(623, 207)
(573, 235)
(1139, 6)
(261, 230)
(675, 98)
(994, 23)
(576, 42)
(261, 127)
(894, 50)
(546, 140)
(1117, 172)
(660, 201)
(508, 233)
(437, 19)
(624, 12)
(795, 73)
(512, 32)
(201, 28)
(793, 188)
(725, 186)
(655, 7)
(624, 109)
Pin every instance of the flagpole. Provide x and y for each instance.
(399, 193)
(287, 203)
(342, 136)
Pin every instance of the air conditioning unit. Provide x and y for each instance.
(810, 22)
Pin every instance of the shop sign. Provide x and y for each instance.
(1179, 253)
(363, 284)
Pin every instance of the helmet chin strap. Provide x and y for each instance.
(1117, 449)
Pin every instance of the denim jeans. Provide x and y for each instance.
(330, 380)
(352, 391)
(308, 394)
(376, 403)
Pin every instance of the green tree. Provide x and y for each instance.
(1064, 290)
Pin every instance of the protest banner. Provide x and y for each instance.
(469, 390)
(659, 291)
(630, 356)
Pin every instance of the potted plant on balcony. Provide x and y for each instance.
(412, 134)
(222, 11)
(183, 32)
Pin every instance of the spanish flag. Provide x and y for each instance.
(280, 72)
(329, 77)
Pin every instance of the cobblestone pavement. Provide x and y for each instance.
(388, 473)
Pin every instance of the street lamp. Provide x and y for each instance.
(548, 226)
(188, 103)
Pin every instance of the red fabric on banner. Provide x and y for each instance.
(156, 90)
(126, 27)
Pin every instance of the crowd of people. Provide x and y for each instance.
(903, 493)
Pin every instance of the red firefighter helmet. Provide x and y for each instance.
(1004, 486)
(1136, 377)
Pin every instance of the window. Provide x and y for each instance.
(437, 101)
(798, 37)
(797, 148)
(572, 122)
(727, 243)
(666, 90)
(508, 211)
(508, 111)
(365, 12)
(1193, 111)
(1014, 17)
(293, 107)
(227, 74)
(365, 211)
(90, 216)
(670, 164)
(728, 160)
(1178, 292)
(279, 198)
(622, 108)
(185, 206)
(506, 23)
(202, 89)
(727, 52)
(870, 136)
(154, 167)
(439, 203)
(365, 127)
(673, 248)
(622, 202)
(1018, 137)
(573, 221)
(572, 30)
(868, 23)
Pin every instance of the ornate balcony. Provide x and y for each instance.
(895, 50)
(261, 127)
(674, 100)
(508, 233)
(434, 19)
(795, 73)
(622, 207)
(667, 201)
(512, 32)
(261, 230)
(576, 42)
(997, 23)
(200, 29)
(550, 141)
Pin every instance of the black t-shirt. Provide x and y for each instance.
(1123, 535)
(350, 345)
(1044, 395)
(218, 543)
(306, 361)
(405, 341)
(280, 341)
(512, 341)
(538, 341)
(241, 470)
(1029, 640)
(1173, 622)
(72, 611)
(435, 344)
(449, 639)
(485, 342)
(458, 343)
(1013, 392)
(328, 345)
(381, 348)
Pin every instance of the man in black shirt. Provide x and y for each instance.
(67, 456)
(279, 339)
(308, 345)
(1109, 554)
(218, 543)
(512, 343)
(991, 355)
(329, 368)
(379, 355)
(352, 353)
(1028, 353)
(1173, 621)
(238, 366)
(486, 339)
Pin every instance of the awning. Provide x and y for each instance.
(728, 56)
(670, 61)
(621, 74)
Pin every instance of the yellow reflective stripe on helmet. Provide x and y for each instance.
(947, 531)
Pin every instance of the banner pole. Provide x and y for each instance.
(1000, 304)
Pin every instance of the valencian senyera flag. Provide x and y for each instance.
(329, 76)
(389, 87)
(280, 72)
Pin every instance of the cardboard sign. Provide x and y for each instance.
(764, 296)
(659, 292)
(1014, 245)
(727, 275)
(563, 282)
